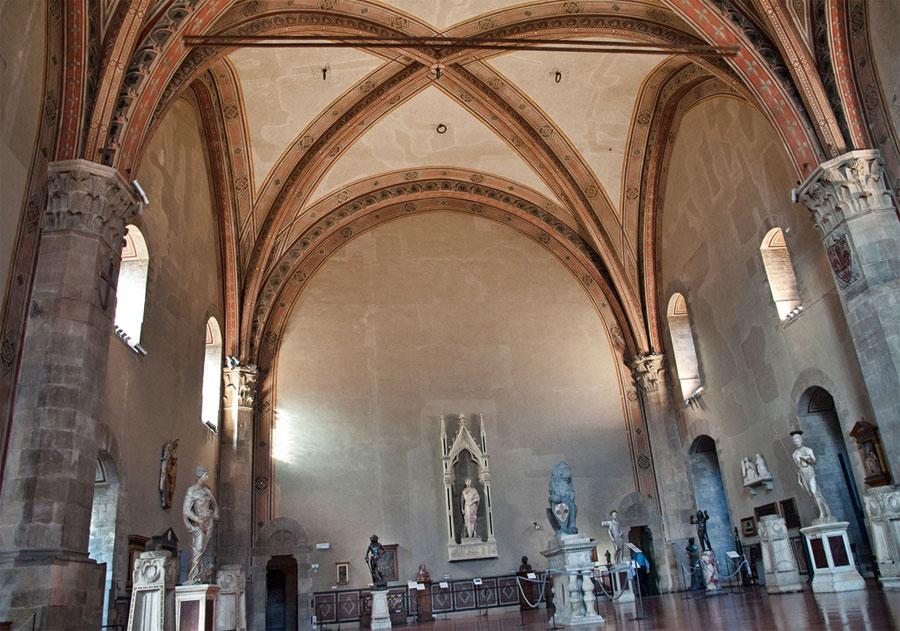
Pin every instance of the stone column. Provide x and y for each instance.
(883, 511)
(236, 465)
(852, 207)
(676, 496)
(45, 504)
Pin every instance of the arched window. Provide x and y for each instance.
(131, 288)
(683, 346)
(212, 375)
(780, 272)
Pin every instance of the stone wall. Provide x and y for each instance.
(728, 185)
(155, 398)
(883, 18)
(21, 75)
(442, 314)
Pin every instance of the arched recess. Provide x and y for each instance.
(682, 335)
(285, 541)
(780, 273)
(709, 494)
(102, 542)
(642, 525)
(212, 375)
(131, 287)
(818, 418)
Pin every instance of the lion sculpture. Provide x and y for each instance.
(562, 509)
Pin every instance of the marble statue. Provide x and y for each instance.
(374, 557)
(804, 459)
(200, 513)
(749, 470)
(168, 465)
(562, 509)
(762, 469)
(700, 520)
(470, 501)
(526, 566)
(614, 528)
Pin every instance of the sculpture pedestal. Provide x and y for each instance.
(833, 565)
(153, 595)
(423, 603)
(472, 548)
(195, 607)
(710, 566)
(782, 575)
(622, 591)
(381, 615)
(231, 605)
(573, 588)
(883, 511)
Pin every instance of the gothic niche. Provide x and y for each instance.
(467, 493)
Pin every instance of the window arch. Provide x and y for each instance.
(683, 346)
(212, 375)
(780, 272)
(131, 288)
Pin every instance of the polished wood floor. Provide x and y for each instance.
(867, 610)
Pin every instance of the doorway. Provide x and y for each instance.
(642, 537)
(709, 494)
(281, 593)
(822, 433)
(102, 542)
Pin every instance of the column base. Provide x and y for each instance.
(571, 555)
(381, 615)
(710, 566)
(578, 621)
(63, 592)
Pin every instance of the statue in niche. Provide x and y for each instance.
(871, 462)
(804, 459)
(562, 509)
(748, 468)
(614, 528)
(168, 465)
(374, 561)
(700, 520)
(470, 499)
(200, 513)
(762, 469)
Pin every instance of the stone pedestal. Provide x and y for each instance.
(472, 548)
(153, 594)
(833, 565)
(381, 614)
(710, 566)
(569, 559)
(622, 587)
(883, 510)
(231, 605)
(195, 607)
(782, 574)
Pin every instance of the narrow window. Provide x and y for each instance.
(782, 280)
(131, 288)
(212, 375)
(683, 347)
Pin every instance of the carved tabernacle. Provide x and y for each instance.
(467, 493)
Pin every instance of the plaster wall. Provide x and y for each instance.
(884, 15)
(22, 34)
(437, 314)
(728, 184)
(152, 399)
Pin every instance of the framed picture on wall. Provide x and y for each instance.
(391, 563)
(342, 570)
(789, 512)
(748, 527)
(765, 509)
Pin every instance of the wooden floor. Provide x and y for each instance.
(866, 610)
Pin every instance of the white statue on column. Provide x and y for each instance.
(470, 501)
(804, 459)
(614, 528)
(200, 513)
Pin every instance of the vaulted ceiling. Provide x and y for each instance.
(310, 145)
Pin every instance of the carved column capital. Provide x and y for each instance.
(240, 385)
(647, 371)
(845, 187)
(88, 197)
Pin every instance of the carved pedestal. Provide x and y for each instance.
(153, 594)
(833, 565)
(195, 607)
(710, 566)
(782, 575)
(231, 605)
(381, 614)
(569, 558)
(622, 586)
(883, 511)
